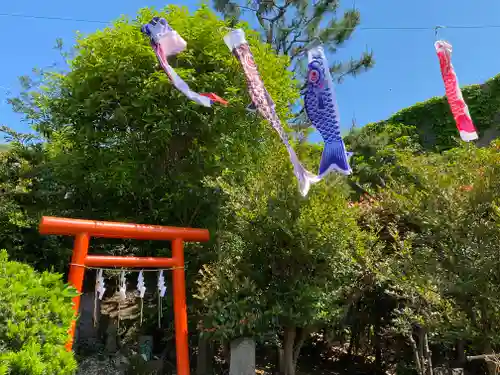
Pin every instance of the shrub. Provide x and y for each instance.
(35, 313)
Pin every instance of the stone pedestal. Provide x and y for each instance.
(242, 357)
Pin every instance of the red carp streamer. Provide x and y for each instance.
(458, 106)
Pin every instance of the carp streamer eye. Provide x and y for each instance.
(250, 62)
(315, 73)
(314, 76)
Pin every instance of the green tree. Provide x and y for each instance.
(438, 232)
(284, 261)
(25, 185)
(123, 144)
(35, 315)
(290, 25)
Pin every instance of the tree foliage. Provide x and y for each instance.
(26, 185)
(436, 225)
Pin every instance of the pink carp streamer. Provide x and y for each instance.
(458, 106)
(264, 104)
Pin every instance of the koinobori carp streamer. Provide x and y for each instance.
(459, 108)
(321, 108)
(165, 41)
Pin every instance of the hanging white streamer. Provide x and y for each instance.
(141, 287)
(161, 284)
(123, 286)
(99, 286)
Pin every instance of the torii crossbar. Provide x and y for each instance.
(82, 230)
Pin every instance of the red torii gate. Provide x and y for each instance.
(82, 230)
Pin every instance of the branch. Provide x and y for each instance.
(282, 11)
(256, 11)
(272, 21)
(294, 40)
(304, 334)
(358, 188)
(486, 357)
(13, 136)
(428, 354)
(306, 24)
(246, 8)
(418, 365)
(269, 36)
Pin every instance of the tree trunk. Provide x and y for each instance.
(351, 344)
(418, 364)
(288, 349)
(492, 368)
(421, 355)
(293, 341)
(226, 352)
(204, 360)
(460, 355)
(486, 330)
(304, 334)
(428, 355)
(378, 354)
(354, 341)
(281, 360)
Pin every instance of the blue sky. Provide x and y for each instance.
(406, 70)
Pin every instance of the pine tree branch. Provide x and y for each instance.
(246, 8)
(303, 41)
(271, 32)
(354, 67)
(267, 29)
(220, 5)
(281, 10)
(256, 11)
(294, 41)
(338, 32)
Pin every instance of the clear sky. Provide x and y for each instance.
(406, 70)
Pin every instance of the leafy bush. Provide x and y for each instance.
(35, 313)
